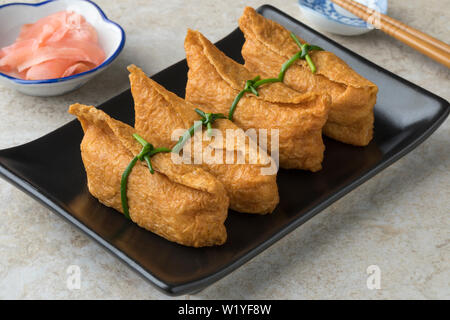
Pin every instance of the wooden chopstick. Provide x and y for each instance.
(437, 43)
(431, 47)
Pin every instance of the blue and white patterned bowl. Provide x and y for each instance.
(329, 17)
(13, 15)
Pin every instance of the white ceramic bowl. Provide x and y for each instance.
(12, 16)
(329, 17)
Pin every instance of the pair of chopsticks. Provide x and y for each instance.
(422, 42)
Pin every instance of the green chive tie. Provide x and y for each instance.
(207, 119)
(146, 153)
(304, 53)
(251, 86)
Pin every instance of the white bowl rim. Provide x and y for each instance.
(78, 75)
(383, 11)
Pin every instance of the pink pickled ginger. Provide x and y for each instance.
(60, 45)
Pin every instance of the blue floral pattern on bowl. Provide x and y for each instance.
(328, 9)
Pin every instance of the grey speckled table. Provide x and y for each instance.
(399, 220)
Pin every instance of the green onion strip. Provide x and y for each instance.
(146, 153)
(251, 86)
(207, 119)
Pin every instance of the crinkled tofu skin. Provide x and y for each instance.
(181, 203)
(268, 45)
(160, 112)
(215, 80)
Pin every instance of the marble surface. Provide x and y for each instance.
(399, 220)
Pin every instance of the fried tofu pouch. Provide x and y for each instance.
(181, 203)
(215, 80)
(158, 113)
(268, 45)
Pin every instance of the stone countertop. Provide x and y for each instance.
(398, 220)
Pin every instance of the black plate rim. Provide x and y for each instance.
(175, 290)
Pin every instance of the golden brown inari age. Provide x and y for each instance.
(184, 204)
(268, 45)
(214, 80)
(160, 112)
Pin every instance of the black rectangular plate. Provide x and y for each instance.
(405, 115)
